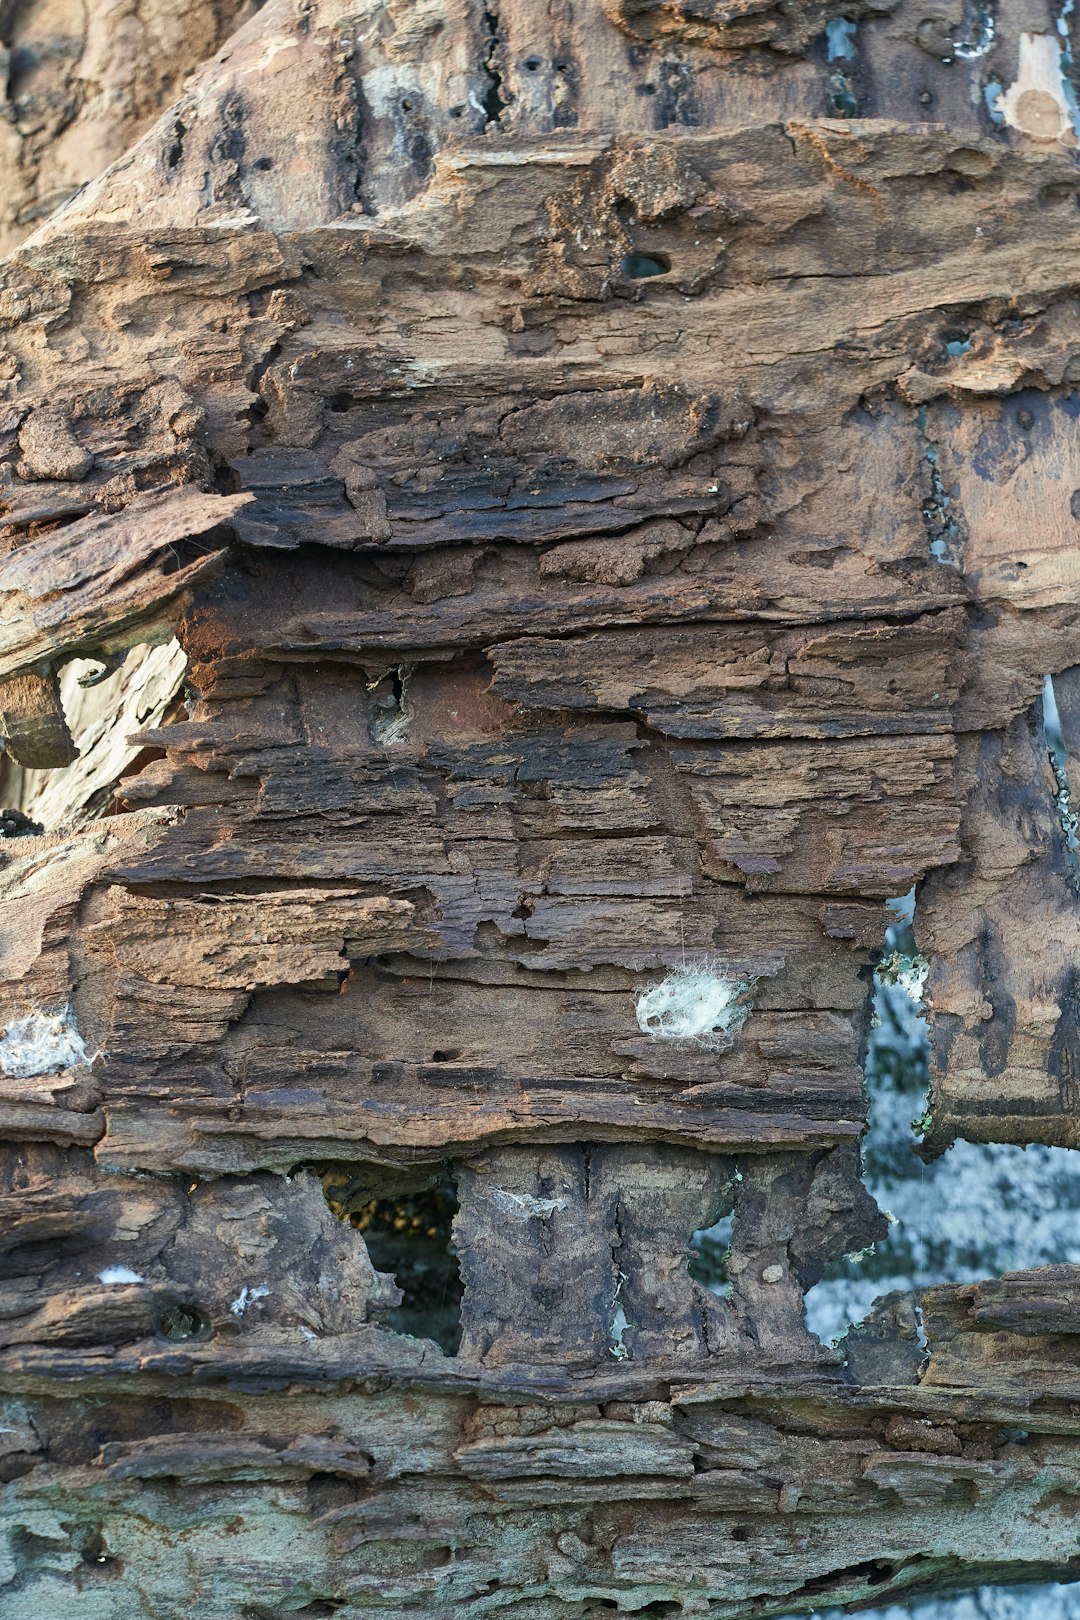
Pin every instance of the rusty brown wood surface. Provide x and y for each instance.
(613, 468)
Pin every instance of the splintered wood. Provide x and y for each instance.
(613, 471)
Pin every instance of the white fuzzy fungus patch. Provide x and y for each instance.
(693, 1004)
(41, 1043)
(120, 1274)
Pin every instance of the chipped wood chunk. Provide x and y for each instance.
(34, 724)
(102, 582)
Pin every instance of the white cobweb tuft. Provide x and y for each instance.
(694, 1004)
(41, 1043)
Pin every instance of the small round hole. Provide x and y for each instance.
(637, 266)
(180, 1322)
(263, 163)
(533, 64)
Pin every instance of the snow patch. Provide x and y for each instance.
(41, 1043)
(120, 1274)
(693, 1004)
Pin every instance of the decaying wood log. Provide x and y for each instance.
(613, 470)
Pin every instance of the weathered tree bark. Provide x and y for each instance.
(79, 82)
(613, 470)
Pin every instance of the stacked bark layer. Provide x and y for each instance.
(619, 521)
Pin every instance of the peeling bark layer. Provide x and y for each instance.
(618, 514)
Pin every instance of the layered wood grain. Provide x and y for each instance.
(610, 469)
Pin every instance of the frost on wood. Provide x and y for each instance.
(574, 509)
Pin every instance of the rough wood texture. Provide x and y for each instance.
(79, 83)
(610, 469)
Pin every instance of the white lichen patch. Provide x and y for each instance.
(41, 1043)
(120, 1274)
(907, 972)
(694, 1004)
